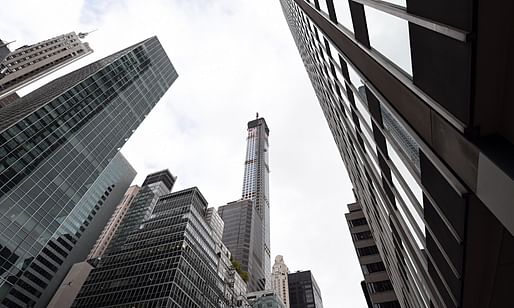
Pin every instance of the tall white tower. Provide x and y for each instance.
(279, 279)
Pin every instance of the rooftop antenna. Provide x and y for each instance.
(2, 44)
(82, 35)
(257, 115)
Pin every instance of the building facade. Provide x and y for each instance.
(31, 62)
(60, 165)
(171, 261)
(261, 299)
(425, 133)
(279, 280)
(115, 220)
(377, 287)
(247, 227)
(304, 291)
(154, 186)
(242, 235)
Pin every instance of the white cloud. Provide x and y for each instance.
(234, 58)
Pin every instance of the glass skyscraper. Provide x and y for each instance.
(420, 106)
(247, 221)
(59, 165)
(303, 290)
(172, 260)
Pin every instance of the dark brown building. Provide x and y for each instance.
(418, 97)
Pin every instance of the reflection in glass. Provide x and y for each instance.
(405, 173)
(389, 35)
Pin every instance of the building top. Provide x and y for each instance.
(164, 176)
(10, 114)
(259, 122)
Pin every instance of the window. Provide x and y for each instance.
(367, 251)
(380, 286)
(358, 222)
(359, 236)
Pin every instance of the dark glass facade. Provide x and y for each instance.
(416, 99)
(170, 261)
(155, 185)
(242, 235)
(303, 291)
(58, 148)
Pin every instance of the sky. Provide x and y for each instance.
(234, 59)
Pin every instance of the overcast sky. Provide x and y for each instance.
(234, 58)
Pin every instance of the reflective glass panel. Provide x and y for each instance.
(389, 35)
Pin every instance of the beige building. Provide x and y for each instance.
(31, 62)
(116, 218)
(279, 279)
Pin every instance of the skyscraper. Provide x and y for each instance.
(155, 185)
(247, 226)
(303, 290)
(172, 260)
(279, 280)
(377, 286)
(428, 140)
(115, 220)
(59, 165)
(31, 62)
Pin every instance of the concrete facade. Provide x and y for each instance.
(279, 280)
(29, 63)
(115, 220)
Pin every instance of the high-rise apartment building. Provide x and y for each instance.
(247, 227)
(279, 280)
(171, 261)
(31, 62)
(303, 290)
(154, 186)
(115, 220)
(428, 141)
(60, 165)
(377, 287)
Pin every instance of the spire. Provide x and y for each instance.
(82, 35)
(257, 115)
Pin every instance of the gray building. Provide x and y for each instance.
(303, 290)
(247, 225)
(31, 62)
(428, 142)
(377, 286)
(60, 165)
(264, 299)
(172, 260)
(154, 186)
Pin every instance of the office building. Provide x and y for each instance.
(279, 280)
(429, 146)
(377, 286)
(304, 291)
(60, 165)
(115, 220)
(261, 299)
(32, 62)
(154, 186)
(171, 261)
(247, 227)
